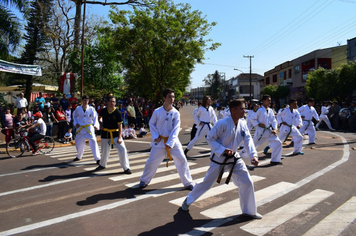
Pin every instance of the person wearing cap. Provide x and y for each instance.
(40, 128)
(86, 122)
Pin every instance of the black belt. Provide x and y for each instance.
(233, 163)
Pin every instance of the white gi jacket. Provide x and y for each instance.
(324, 111)
(308, 113)
(90, 116)
(291, 118)
(226, 135)
(264, 117)
(206, 115)
(166, 124)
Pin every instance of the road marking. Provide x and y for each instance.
(337, 221)
(279, 216)
(166, 178)
(216, 223)
(215, 191)
(232, 208)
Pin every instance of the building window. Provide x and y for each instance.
(289, 73)
(296, 70)
(267, 80)
(274, 78)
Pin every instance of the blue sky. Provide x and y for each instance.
(273, 31)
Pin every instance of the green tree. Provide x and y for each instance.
(35, 37)
(10, 27)
(270, 90)
(215, 85)
(282, 92)
(158, 46)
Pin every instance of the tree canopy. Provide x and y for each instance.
(215, 85)
(333, 84)
(158, 46)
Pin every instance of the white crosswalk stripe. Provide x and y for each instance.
(279, 216)
(216, 190)
(337, 221)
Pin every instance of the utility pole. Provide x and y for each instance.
(250, 76)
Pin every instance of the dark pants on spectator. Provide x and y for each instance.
(33, 138)
(132, 120)
(61, 129)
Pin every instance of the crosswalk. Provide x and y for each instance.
(220, 204)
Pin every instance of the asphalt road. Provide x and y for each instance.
(313, 194)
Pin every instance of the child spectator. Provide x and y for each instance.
(142, 132)
(125, 132)
(68, 136)
(131, 131)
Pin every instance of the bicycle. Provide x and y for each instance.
(18, 145)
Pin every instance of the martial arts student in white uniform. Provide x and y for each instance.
(164, 128)
(266, 130)
(290, 121)
(224, 139)
(307, 112)
(111, 135)
(323, 116)
(86, 122)
(205, 116)
(251, 113)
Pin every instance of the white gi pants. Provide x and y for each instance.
(308, 126)
(326, 120)
(157, 155)
(296, 136)
(80, 143)
(202, 130)
(273, 140)
(240, 177)
(121, 150)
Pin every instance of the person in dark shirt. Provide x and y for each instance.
(111, 134)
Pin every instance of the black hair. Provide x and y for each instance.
(167, 91)
(265, 97)
(236, 103)
(292, 100)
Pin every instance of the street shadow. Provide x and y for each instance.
(183, 223)
(128, 193)
(89, 174)
(61, 165)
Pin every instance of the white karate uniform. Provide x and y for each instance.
(166, 124)
(82, 118)
(226, 135)
(324, 117)
(227, 112)
(308, 125)
(207, 117)
(250, 115)
(262, 135)
(293, 119)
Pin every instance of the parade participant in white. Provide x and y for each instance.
(224, 139)
(251, 113)
(307, 112)
(266, 130)
(205, 116)
(290, 121)
(164, 127)
(86, 122)
(323, 116)
(111, 134)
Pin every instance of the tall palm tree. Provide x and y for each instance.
(10, 28)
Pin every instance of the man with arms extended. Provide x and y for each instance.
(164, 127)
(111, 134)
(86, 122)
(224, 139)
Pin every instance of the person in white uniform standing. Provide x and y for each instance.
(223, 140)
(290, 121)
(111, 135)
(205, 116)
(164, 128)
(86, 122)
(307, 112)
(266, 130)
(323, 116)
